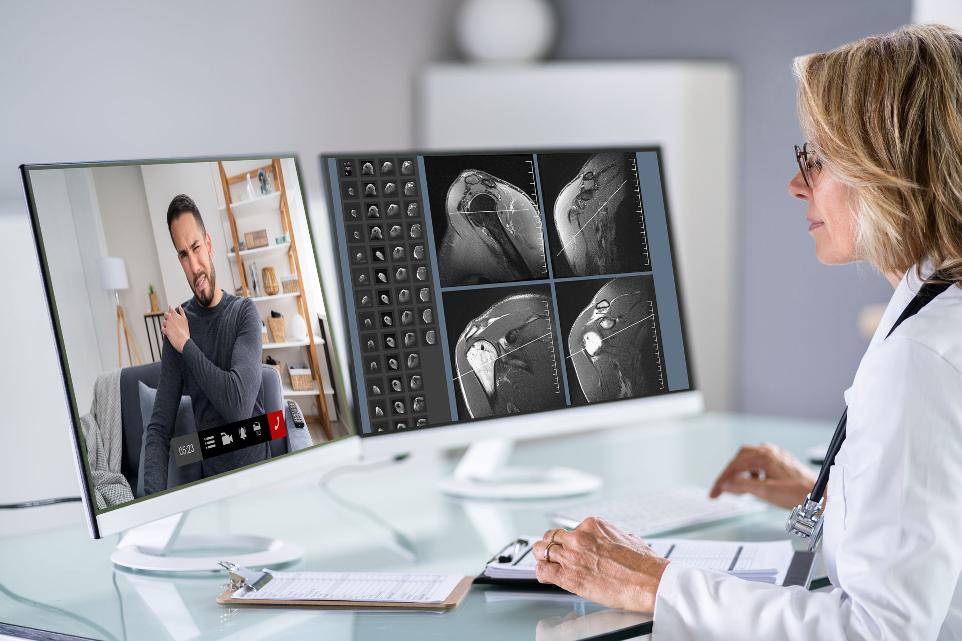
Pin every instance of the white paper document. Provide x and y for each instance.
(766, 562)
(354, 586)
(520, 568)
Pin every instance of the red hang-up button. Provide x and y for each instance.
(278, 427)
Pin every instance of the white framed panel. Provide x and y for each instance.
(688, 108)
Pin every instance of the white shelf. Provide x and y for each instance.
(267, 204)
(302, 343)
(260, 299)
(261, 251)
(310, 392)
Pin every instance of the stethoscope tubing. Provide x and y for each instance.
(925, 295)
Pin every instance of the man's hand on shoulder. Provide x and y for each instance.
(175, 327)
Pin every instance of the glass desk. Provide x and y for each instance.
(60, 584)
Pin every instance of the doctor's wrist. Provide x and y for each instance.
(648, 582)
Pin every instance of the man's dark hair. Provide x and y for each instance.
(180, 205)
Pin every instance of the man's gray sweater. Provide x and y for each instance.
(220, 369)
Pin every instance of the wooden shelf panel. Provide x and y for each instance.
(261, 299)
(266, 204)
(309, 392)
(302, 343)
(261, 251)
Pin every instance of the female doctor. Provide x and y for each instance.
(881, 177)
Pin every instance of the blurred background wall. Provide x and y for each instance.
(797, 342)
(120, 79)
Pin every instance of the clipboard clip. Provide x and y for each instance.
(241, 577)
(512, 552)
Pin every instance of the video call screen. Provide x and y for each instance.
(485, 285)
(190, 317)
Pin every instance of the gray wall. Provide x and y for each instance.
(114, 79)
(798, 343)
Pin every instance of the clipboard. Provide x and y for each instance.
(457, 595)
(799, 573)
(509, 555)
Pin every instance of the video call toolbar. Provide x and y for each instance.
(214, 441)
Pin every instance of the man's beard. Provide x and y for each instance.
(203, 299)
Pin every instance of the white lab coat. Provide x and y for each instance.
(892, 540)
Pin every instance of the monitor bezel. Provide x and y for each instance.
(689, 401)
(146, 509)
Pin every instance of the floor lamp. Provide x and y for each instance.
(113, 278)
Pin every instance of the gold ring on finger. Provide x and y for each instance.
(547, 551)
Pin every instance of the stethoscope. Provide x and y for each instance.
(806, 519)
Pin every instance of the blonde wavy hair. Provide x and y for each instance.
(884, 115)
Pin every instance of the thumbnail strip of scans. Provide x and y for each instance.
(488, 285)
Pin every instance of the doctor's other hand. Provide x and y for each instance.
(600, 563)
(768, 472)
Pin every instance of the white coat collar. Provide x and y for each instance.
(905, 291)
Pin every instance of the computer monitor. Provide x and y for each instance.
(507, 294)
(191, 323)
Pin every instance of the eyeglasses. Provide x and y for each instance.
(808, 162)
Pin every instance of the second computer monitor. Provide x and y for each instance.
(492, 285)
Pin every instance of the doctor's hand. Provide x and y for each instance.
(600, 563)
(175, 327)
(768, 472)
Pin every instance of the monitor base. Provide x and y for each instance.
(482, 474)
(151, 548)
(524, 483)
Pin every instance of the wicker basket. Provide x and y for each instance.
(255, 239)
(278, 331)
(301, 378)
(269, 279)
(289, 285)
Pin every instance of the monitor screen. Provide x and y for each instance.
(192, 326)
(486, 284)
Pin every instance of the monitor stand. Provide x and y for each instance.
(160, 547)
(483, 473)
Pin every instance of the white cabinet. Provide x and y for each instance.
(688, 108)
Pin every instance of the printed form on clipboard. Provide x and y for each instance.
(344, 589)
(766, 562)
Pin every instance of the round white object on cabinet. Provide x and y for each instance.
(505, 30)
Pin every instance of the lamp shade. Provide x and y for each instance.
(113, 273)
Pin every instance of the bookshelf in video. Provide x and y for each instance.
(189, 303)
(491, 284)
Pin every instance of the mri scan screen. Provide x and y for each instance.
(481, 285)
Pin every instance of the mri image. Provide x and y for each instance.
(595, 219)
(503, 351)
(488, 284)
(488, 227)
(611, 333)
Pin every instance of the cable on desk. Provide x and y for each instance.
(39, 503)
(120, 604)
(51, 608)
(403, 543)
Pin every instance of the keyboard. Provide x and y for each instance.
(656, 512)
